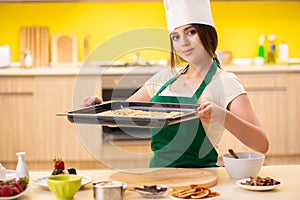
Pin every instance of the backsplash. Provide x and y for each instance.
(239, 24)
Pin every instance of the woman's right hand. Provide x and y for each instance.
(88, 101)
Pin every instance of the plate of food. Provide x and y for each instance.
(153, 191)
(194, 192)
(9, 175)
(16, 196)
(258, 183)
(14, 189)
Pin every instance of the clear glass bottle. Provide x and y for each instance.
(21, 170)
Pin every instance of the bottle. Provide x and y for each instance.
(260, 59)
(21, 170)
(283, 53)
(2, 172)
(272, 49)
(28, 59)
(261, 48)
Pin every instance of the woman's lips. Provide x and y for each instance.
(188, 52)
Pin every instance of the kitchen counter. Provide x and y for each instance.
(46, 71)
(13, 71)
(288, 175)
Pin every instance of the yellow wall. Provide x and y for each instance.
(239, 24)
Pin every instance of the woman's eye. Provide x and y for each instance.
(192, 32)
(175, 37)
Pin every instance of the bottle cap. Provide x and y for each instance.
(20, 153)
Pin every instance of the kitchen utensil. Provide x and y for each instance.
(64, 49)
(171, 177)
(36, 40)
(233, 153)
(92, 114)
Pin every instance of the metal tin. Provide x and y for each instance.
(108, 190)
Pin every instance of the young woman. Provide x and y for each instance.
(223, 102)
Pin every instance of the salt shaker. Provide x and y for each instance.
(21, 170)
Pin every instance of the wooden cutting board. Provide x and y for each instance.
(171, 177)
(64, 49)
(36, 40)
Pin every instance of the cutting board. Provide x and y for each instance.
(36, 40)
(64, 49)
(171, 177)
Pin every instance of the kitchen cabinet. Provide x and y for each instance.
(17, 106)
(293, 115)
(274, 99)
(29, 103)
(29, 123)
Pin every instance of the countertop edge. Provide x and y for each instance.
(55, 71)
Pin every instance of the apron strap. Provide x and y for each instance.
(212, 70)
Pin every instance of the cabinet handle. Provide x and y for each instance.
(266, 89)
(15, 93)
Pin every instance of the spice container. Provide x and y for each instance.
(108, 190)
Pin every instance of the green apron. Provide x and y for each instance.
(184, 144)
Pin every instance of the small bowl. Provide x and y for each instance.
(64, 186)
(248, 164)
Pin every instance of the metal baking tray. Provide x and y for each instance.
(92, 114)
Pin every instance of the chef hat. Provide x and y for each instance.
(182, 12)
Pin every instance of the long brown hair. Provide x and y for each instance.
(209, 38)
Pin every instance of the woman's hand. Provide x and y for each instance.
(87, 101)
(209, 112)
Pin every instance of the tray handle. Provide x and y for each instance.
(63, 113)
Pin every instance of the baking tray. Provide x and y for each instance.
(92, 114)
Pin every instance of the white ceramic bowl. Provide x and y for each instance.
(248, 164)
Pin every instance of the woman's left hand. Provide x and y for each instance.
(209, 112)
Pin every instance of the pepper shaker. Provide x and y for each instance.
(21, 170)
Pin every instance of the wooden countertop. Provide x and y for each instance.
(288, 175)
(56, 71)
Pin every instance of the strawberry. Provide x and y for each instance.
(15, 190)
(18, 185)
(59, 163)
(6, 191)
(23, 182)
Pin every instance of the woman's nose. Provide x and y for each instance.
(185, 41)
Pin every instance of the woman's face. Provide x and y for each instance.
(187, 44)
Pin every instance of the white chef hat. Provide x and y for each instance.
(182, 12)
